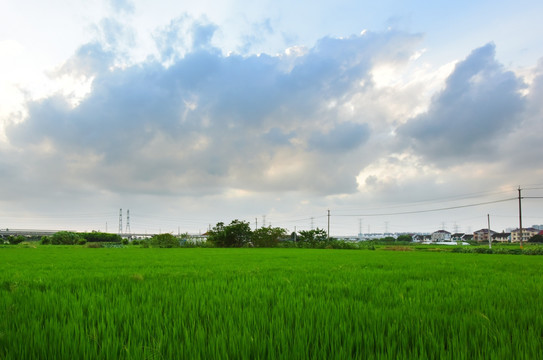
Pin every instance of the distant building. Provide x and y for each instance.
(482, 235)
(457, 237)
(467, 237)
(421, 237)
(501, 237)
(441, 235)
(526, 234)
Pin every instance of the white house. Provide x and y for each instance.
(441, 235)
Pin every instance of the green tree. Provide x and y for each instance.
(45, 240)
(404, 237)
(164, 241)
(268, 236)
(97, 236)
(313, 236)
(237, 234)
(536, 238)
(65, 238)
(14, 240)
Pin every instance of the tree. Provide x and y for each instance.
(14, 240)
(97, 236)
(536, 238)
(237, 234)
(164, 241)
(313, 236)
(65, 238)
(268, 236)
(404, 237)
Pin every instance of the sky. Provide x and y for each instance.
(394, 116)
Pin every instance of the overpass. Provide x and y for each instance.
(41, 232)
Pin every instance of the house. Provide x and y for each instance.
(467, 237)
(482, 235)
(457, 236)
(421, 238)
(526, 234)
(501, 237)
(441, 235)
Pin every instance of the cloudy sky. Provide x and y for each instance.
(394, 115)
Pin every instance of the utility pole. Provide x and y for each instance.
(263, 220)
(128, 222)
(312, 223)
(328, 224)
(520, 215)
(256, 223)
(489, 237)
(120, 221)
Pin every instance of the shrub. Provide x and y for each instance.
(96, 236)
(45, 240)
(164, 241)
(14, 240)
(94, 245)
(65, 238)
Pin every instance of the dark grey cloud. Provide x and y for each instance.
(480, 104)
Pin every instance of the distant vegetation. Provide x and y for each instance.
(73, 238)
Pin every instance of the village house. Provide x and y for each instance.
(457, 237)
(526, 234)
(482, 235)
(501, 237)
(441, 235)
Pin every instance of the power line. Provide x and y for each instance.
(433, 210)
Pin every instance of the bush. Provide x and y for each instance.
(65, 238)
(533, 251)
(164, 241)
(45, 240)
(81, 242)
(14, 240)
(124, 241)
(94, 245)
(96, 236)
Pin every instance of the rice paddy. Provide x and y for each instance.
(134, 303)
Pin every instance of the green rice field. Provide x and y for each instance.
(135, 303)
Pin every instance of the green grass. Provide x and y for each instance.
(133, 303)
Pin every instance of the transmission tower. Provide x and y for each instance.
(120, 221)
(128, 222)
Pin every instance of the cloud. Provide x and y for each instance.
(122, 6)
(480, 104)
(342, 138)
(205, 122)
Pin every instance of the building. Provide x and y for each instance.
(441, 235)
(501, 237)
(457, 237)
(467, 237)
(482, 235)
(421, 238)
(526, 234)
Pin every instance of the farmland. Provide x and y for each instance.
(134, 303)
